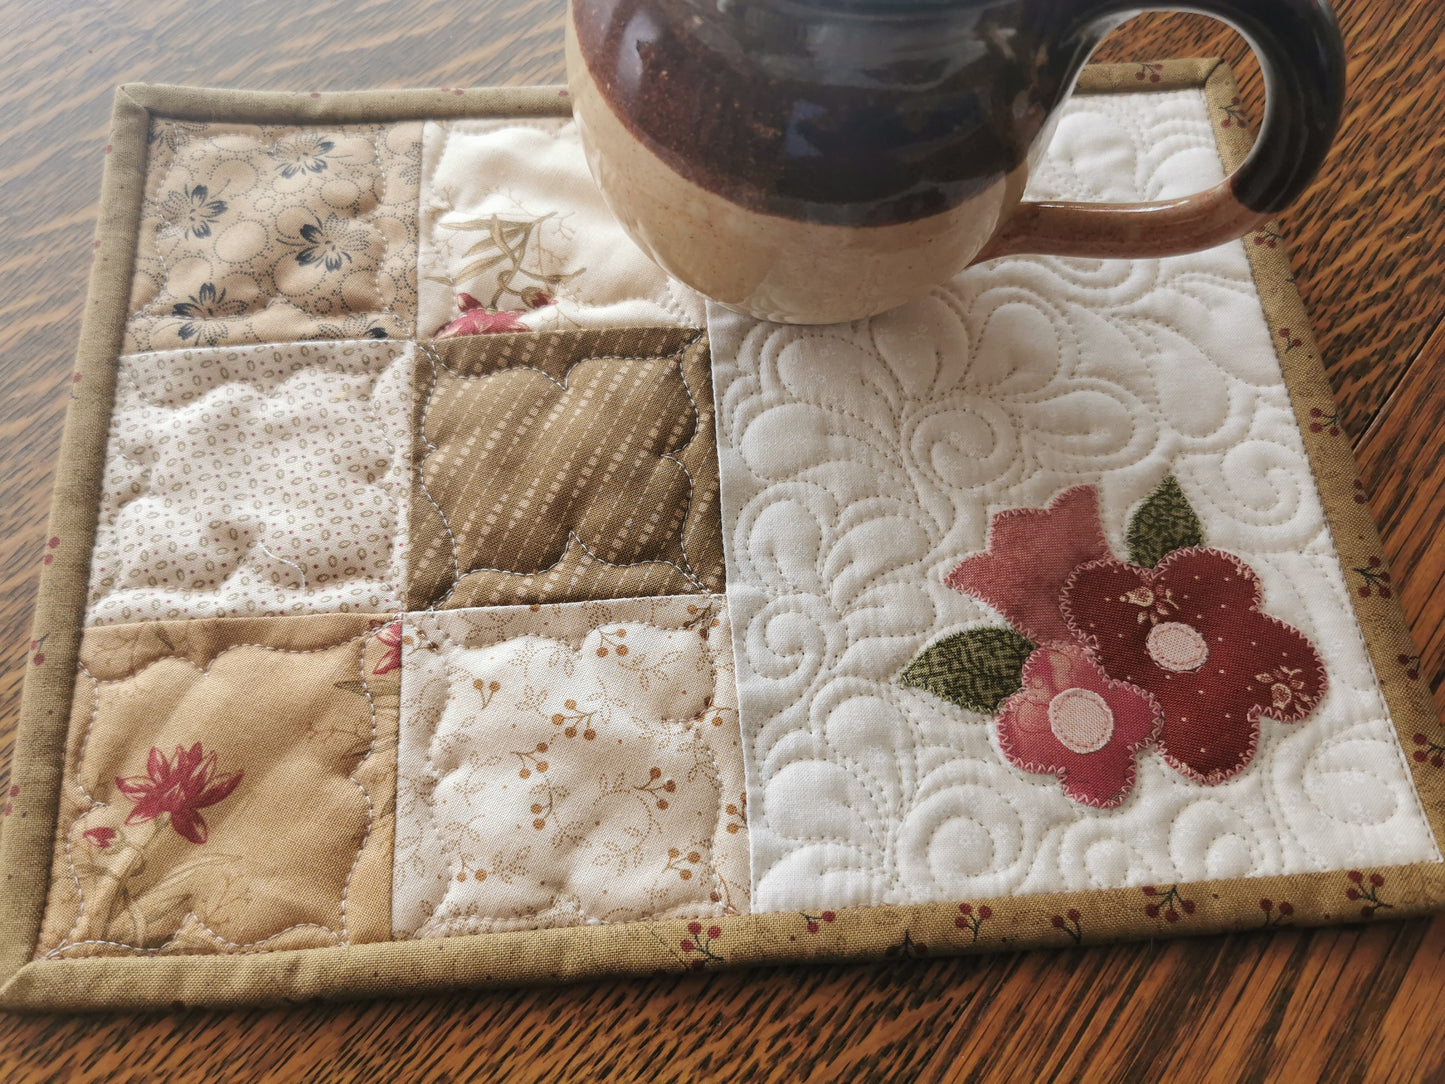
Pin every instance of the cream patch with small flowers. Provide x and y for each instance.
(255, 480)
(568, 764)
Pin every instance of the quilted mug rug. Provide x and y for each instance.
(440, 596)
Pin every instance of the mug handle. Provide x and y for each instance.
(1300, 52)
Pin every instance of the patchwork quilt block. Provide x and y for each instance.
(438, 595)
(567, 764)
(563, 466)
(502, 252)
(275, 233)
(255, 480)
(203, 757)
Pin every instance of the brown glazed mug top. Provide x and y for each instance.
(846, 122)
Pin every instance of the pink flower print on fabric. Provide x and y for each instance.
(390, 635)
(100, 837)
(180, 787)
(1190, 633)
(477, 319)
(1072, 720)
(1031, 554)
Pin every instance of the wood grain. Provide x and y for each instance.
(1340, 1005)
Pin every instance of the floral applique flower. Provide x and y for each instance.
(1106, 658)
(306, 153)
(335, 242)
(206, 313)
(1190, 633)
(180, 787)
(390, 635)
(191, 211)
(1072, 720)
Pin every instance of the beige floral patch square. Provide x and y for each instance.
(261, 233)
(562, 466)
(570, 764)
(202, 760)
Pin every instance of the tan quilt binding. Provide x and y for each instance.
(549, 955)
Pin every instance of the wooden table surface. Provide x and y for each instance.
(1368, 242)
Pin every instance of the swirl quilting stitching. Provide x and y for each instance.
(1015, 381)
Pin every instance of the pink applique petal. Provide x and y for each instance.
(1103, 783)
(1031, 552)
(1072, 721)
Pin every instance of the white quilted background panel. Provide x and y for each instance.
(861, 462)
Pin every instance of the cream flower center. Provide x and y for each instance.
(1177, 647)
(1081, 720)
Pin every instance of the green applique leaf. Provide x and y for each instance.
(1164, 523)
(977, 669)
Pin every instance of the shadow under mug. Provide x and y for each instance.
(813, 161)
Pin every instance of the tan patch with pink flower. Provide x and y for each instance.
(204, 758)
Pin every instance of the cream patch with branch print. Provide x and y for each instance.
(501, 252)
(568, 764)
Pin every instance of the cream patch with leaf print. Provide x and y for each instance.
(568, 764)
(511, 218)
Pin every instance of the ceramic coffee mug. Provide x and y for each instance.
(811, 161)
